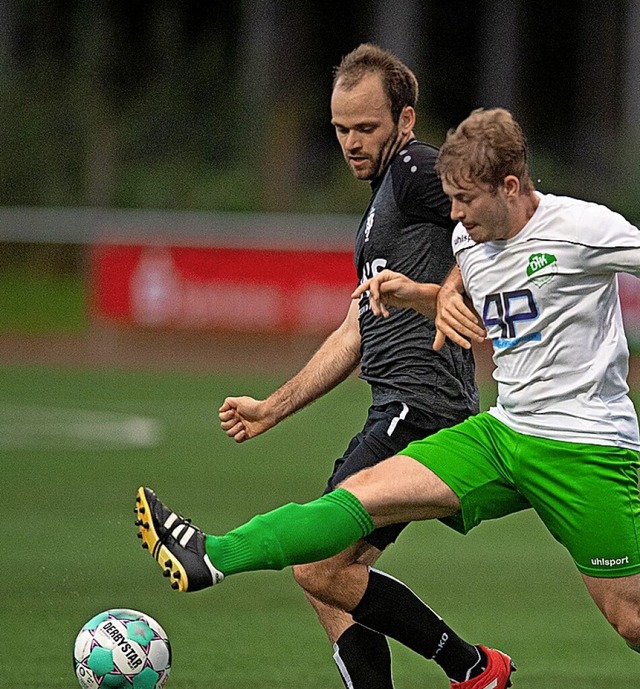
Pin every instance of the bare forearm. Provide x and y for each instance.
(423, 298)
(243, 418)
(389, 288)
(337, 357)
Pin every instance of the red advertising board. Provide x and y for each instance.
(221, 288)
(251, 290)
(629, 287)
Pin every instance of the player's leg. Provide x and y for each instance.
(619, 601)
(316, 576)
(608, 553)
(362, 655)
(587, 496)
(396, 490)
(385, 606)
(399, 489)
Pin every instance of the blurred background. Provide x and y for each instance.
(224, 105)
(208, 123)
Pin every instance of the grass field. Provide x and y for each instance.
(69, 548)
(41, 302)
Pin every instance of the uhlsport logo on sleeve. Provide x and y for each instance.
(541, 268)
(461, 239)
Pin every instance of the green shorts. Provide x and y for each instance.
(586, 495)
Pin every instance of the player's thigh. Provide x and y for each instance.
(587, 496)
(401, 489)
(389, 428)
(474, 460)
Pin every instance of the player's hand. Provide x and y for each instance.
(243, 418)
(457, 320)
(389, 288)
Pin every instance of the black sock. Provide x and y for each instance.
(363, 658)
(391, 608)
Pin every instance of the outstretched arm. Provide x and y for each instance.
(452, 311)
(243, 418)
(389, 288)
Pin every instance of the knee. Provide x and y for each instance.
(630, 632)
(315, 578)
(627, 625)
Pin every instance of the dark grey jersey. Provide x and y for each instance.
(407, 228)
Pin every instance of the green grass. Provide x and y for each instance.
(69, 548)
(41, 302)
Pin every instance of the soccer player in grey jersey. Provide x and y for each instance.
(415, 390)
(406, 228)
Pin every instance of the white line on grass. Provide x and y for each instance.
(61, 428)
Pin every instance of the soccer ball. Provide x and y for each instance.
(122, 649)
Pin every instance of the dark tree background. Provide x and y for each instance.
(224, 105)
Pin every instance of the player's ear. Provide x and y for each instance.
(407, 119)
(511, 185)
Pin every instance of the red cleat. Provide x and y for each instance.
(496, 676)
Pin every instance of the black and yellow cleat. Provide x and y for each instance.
(175, 543)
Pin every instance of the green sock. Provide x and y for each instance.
(292, 534)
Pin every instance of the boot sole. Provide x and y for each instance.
(171, 567)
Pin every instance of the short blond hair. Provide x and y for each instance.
(486, 147)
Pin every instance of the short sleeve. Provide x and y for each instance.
(417, 187)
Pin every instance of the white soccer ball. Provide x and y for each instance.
(122, 649)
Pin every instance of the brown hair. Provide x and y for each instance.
(486, 147)
(399, 82)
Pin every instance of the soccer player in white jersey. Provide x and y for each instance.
(563, 437)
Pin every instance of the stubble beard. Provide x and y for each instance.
(381, 161)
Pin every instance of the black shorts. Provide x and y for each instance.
(388, 429)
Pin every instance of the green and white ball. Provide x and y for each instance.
(122, 649)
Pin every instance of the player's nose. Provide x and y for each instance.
(457, 211)
(352, 142)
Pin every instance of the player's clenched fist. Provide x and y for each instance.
(243, 418)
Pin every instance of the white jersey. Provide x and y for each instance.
(549, 301)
